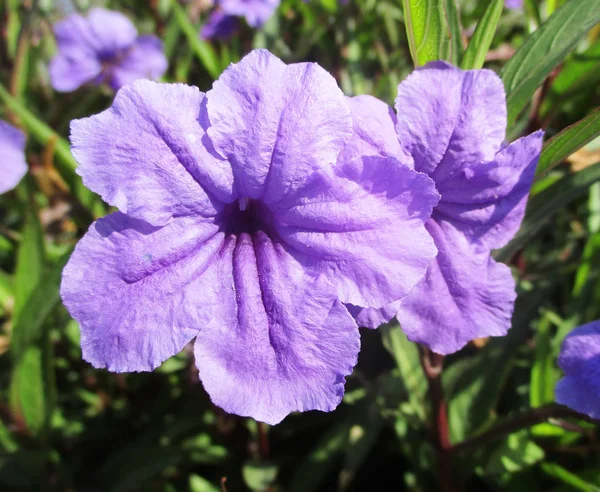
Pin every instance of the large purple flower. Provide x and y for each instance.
(12, 156)
(452, 122)
(103, 47)
(248, 216)
(223, 21)
(580, 360)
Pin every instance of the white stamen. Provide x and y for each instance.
(244, 203)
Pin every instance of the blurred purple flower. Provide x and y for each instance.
(222, 23)
(248, 216)
(513, 4)
(219, 26)
(12, 156)
(452, 122)
(103, 47)
(580, 360)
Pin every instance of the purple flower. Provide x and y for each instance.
(513, 4)
(580, 360)
(219, 26)
(12, 157)
(223, 22)
(103, 48)
(248, 216)
(452, 123)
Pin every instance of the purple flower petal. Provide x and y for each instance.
(361, 224)
(135, 289)
(112, 31)
(281, 342)
(513, 4)
(464, 295)
(449, 118)
(256, 12)
(12, 157)
(274, 121)
(149, 164)
(486, 201)
(580, 360)
(219, 26)
(145, 60)
(374, 130)
(68, 74)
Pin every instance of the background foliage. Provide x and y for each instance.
(65, 426)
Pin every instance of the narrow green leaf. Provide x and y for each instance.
(30, 262)
(572, 138)
(44, 295)
(200, 484)
(541, 388)
(406, 355)
(28, 397)
(481, 41)
(427, 30)
(455, 29)
(543, 206)
(568, 478)
(544, 50)
(204, 51)
(65, 162)
(515, 454)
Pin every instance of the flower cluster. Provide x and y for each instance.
(263, 216)
(12, 157)
(103, 47)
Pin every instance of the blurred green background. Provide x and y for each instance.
(65, 426)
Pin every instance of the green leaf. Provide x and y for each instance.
(29, 390)
(543, 206)
(259, 476)
(408, 361)
(199, 484)
(427, 30)
(481, 41)
(572, 138)
(455, 28)
(40, 302)
(541, 388)
(544, 50)
(204, 51)
(515, 454)
(30, 261)
(565, 476)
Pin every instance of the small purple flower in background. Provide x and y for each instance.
(580, 360)
(12, 156)
(249, 216)
(452, 122)
(223, 21)
(513, 4)
(103, 47)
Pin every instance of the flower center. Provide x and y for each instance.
(246, 216)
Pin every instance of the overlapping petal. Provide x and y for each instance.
(580, 360)
(69, 73)
(147, 163)
(280, 342)
(12, 156)
(464, 295)
(276, 124)
(449, 118)
(145, 60)
(486, 201)
(362, 225)
(374, 124)
(140, 292)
